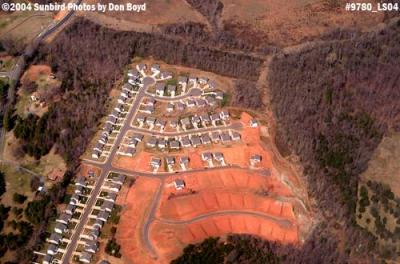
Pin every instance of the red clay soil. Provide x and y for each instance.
(190, 206)
(135, 208)
(169, 239)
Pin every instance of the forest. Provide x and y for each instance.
(333, 104)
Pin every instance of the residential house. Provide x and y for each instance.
(211, 101)
(112, 120)
(149, 101)
(140, 119)
(196, 120)
(214, 119)
(138, 137)
(170, 107)
(174, 144)
(160, 123)
(224, 115)
(52, 250)
(152, 142)
(182, 80)
(127, 87)
(119, 179)
(150, 121)
(212, 85)
(195, 140)
(185, 141)
(70, 209)
(203, 80)
(160, 89)
(155, 162)
(190, 103)
(85, 257)
(253, 123)
(155, 68)
(254, 159)
(78, 189)
(179, 184)
(225, 137)
(206, 156)
(47, 259)
(122, 99)
(184, 161)
(173, 123)
(205, 119)
(103, 216)
(55, 238)
(112, 197)
(98, 224)
(165, 75)
(171, 90)
(133, 74)
(60, 228)
(215, 137)
(64, 219)
(235, 135)
(107, 206)
(162, 143)
(201, 102)
(170, 160)
(205, 139)
(141, 67)
(91, 246)
(218, 156)
(80, 181)
(148, 109)
(192, 79)
(113, 187)
(74, 200)
(180, 106)
(108, 129)
(185, 122)
(219, 95)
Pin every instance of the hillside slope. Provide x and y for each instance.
(333, 103)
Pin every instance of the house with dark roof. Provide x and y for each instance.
(64, 219)
(55, 238)
(152, 142)
(141, 67)
(215, 136)
(107, 206)
(160, 89)
(165, 75)
(52, 249)
(155, 68)
(205, 139)
(155, 162)
(185, 141)
(206, 156)
(60, 228)
(103, 216)
(85, 257)
(174, 144)
(170, 107)
(195, 140)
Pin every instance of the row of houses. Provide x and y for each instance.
(210, 156)
(193, 140)
(170, 161)
(194, 121)
(129, 147)
(90, 235)
(115, 117)
(65, 218)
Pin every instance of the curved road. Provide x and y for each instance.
(280, 221)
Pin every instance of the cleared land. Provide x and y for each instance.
(136, 207)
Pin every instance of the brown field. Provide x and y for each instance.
(165, 235)
(286, 22)
(136, 207)
(158, 12)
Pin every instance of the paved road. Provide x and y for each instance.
(280, 221)
(15, 74)
(106, 168)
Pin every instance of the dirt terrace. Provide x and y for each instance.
(214, 202)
